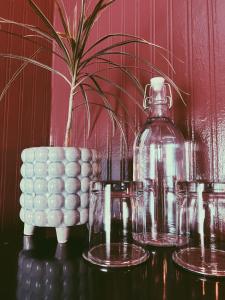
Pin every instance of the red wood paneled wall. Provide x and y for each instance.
(24, 111)
(194, 32)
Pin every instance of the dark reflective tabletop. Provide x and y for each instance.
(39, 268)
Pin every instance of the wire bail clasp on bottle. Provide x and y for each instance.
(148, 98)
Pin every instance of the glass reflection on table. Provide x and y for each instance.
(167, 281)
(199, 287)
(105, 283)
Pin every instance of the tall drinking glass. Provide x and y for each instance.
(205, 254)
(110, 224)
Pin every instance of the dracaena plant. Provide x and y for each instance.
(74, 49)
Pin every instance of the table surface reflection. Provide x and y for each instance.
(39, 268)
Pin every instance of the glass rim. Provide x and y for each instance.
(116, 185)
(115, 264)
(180, 258)
(207, 186)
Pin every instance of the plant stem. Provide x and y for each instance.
(67, 140)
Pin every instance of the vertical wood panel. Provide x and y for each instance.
(24, 111)
(194, 32)
(218, 24)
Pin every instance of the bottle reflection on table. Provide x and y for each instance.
(162, 282)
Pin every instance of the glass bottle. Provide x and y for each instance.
(159, 163)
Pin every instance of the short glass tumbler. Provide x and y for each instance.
(160, 218)
(206, 206)
(110, 225)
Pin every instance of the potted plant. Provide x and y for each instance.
(56, 179)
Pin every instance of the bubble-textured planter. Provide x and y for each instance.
(55, 187)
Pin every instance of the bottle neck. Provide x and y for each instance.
(159, 111)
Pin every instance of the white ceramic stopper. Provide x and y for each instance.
(157, 83)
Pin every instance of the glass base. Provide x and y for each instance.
(119, 255)
(209, 262)
(160, 239)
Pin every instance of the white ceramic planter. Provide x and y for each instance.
(55, 187)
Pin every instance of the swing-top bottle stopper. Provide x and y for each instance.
(157, 83)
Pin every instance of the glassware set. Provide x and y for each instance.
(120, 225)
(163, 206)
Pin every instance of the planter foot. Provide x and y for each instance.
(62, 234)
(28, 229)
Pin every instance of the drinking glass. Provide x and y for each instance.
(206, 210)
(110, 224)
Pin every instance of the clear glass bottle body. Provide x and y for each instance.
(159, 162)
(159, 151)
